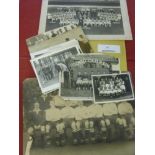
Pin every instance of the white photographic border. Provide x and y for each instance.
(55, 47)
(115, 100)
(125, 19)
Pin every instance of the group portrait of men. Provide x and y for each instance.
(80, 124)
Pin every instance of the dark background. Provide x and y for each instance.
(29, 14)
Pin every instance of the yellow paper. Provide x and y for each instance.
(122, 55)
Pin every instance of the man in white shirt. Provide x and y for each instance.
(110, 113)
(96, 120)
(126, 113)
(78, 124)
(60, 133)
(53, 116)
(67, 114)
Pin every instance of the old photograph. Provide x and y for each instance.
(98, 19)
(40, 43)
(48, 66)
(55, 126)
(112, 88)
(35, 41)
(76, 82)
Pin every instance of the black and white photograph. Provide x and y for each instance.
(112, 88)
(41, 41)
(55, 126)
(40, 44)
(48, 66)
(76, 82)
(98, 19)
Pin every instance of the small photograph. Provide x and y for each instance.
(48, 66)
(55, 126)
(76, 82)
(112, 88)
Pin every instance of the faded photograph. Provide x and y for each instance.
(48, 67)
(112, 88)
(39, 43)
(48, 35)
(55, 126)
(76, 83)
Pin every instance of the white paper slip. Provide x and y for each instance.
(109, 48)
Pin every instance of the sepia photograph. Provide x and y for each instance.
(76, 83)
(40, 43)
(99, 20)
(56, 126)
(112, 88)
(48, 66)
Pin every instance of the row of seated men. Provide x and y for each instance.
(80, 125)
(111, 87)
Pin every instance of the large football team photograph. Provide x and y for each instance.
(52, 125)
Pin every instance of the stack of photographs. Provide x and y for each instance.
(76, 83)
(52, 122)
(50, 50)
(48, 65)
(82, 94)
